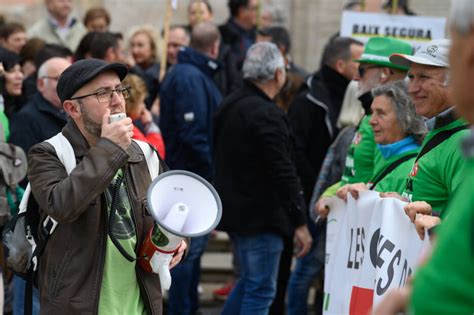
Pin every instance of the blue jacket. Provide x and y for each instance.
(189, 99)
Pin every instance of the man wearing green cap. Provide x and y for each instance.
(375, 69)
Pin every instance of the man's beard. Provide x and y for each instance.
(91, 126)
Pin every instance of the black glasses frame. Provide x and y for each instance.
(121, 91)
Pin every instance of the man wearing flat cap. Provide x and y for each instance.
(89, 263)
(438, 168)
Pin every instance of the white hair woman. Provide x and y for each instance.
(398, 132)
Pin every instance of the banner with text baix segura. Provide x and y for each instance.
(371, 247)
(412, 28)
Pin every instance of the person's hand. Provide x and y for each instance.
(393, 195)
(119, 132)
(303, 240)
(343, 191)
(155, 107)
(423, 222)
(145, 116)
(179, 254)
(321, 208)
(394, 302)
(415, 207)
(355, 189)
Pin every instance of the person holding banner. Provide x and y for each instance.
(445, 284)
(375, 69)
(438, 168)
(398, 132)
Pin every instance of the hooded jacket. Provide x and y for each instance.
(189, 99)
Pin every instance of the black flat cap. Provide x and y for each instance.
(83, 71)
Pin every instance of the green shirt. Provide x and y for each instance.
(360, 157)
(120, 291)
(438, 173)
(445, 284)
(5, 125)
(396, 180)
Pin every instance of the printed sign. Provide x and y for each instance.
(414, 29)
(371, 247)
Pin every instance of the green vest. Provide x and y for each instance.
(445, 284)
(437, 174)
(394, 181)
(360, 157)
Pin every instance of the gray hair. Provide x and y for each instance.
(411, 123)
(262, 61)
(462, 16)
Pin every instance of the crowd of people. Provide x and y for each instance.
(275, 141)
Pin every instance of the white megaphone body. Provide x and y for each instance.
(183, 205)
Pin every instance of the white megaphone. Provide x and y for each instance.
(184, 205)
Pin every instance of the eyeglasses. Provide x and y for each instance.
(105, 96)
(363, 70)
(51, 78)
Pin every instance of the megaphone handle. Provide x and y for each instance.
(160, 263)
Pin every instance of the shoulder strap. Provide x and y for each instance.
(391, 167)
(438, 139)
(152, 160)
(65, 153)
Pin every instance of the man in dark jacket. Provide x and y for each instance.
(313, 116)
(314, 112)
(43, 116)
(240, 30)
(189, 99)
(256, 179)
(88, 264)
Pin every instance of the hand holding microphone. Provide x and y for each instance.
(118, 128)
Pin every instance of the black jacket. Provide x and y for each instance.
(313, 117)
(255, 174)
(238, 39)
(228, 78)
(37, 121)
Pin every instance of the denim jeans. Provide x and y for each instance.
(183, 295)
(19, 285)
(302, 277)
(259, 257)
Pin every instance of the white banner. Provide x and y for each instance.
(371, 247)
(413, 29)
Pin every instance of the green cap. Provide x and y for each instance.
(379, 49)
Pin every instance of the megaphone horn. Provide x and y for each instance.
(183, 205)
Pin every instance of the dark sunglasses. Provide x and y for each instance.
(362, 70)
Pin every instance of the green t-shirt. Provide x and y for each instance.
(445, 284)
(361, 154)
(120, 291)
(5, 125)
(438, 173)
(396, 180)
